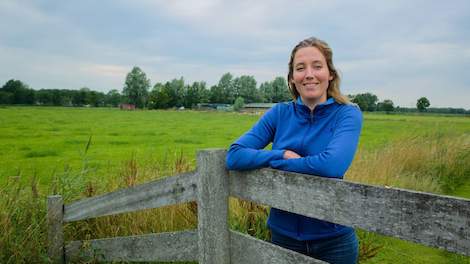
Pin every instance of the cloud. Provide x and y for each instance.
(101, 70)
(13, 10)
(388, 48)
(43, 70)
(227, 19)
(406, 92)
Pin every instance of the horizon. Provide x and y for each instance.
(258, 86)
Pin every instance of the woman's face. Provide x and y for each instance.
(311, 75)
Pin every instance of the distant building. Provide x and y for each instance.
(127, 106)
(219, 107)
(257, 107)
(247, 108)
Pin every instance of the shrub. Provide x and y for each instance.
(238, 105)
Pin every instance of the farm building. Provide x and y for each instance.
(257, 107)
(127, 106)
(208, 106)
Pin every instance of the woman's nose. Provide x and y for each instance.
(309, 73)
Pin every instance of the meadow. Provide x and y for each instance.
(79, 152)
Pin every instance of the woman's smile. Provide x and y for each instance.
(311, 76)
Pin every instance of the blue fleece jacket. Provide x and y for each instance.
(326, 138)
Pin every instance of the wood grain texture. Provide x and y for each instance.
(175, 246)
(213, 193)
(167, 191)
(245, 249)
(433, 220)
(55, 233)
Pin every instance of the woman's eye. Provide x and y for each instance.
(299, 68)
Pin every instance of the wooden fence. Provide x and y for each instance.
(428, 219)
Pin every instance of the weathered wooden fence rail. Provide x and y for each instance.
(433, 220)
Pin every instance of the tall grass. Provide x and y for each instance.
(23, 209)
(131, 173)
(433, 163)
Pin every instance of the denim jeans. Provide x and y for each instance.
(338, 250)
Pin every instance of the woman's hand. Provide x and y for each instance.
(289, 154)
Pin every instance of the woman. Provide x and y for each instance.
(317, 133)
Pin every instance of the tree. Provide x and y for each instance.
(228, 91)
(266, 92)
(195, 94)
(175, 90)
(238, 104)
(113, 98)
(422, 104)
(386, 105)
(56, 97)
(60, 98)
(81, 97)
(6, 97)
(20, 93)
(44, 97)
(78, 98)
(159, 98)
(275, 91)
(204, 94)
(216, 94)
(245, 87)
(96, 99)
(366, 101)
(136, 87)
(280, 92)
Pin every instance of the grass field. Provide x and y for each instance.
(47, 141)
(84, 151)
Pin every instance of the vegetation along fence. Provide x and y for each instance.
(432, 220)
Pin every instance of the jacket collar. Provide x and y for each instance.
(320, 110)
(327, 102)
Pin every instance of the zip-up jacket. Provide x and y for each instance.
(326, 139)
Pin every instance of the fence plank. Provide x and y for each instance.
(248, 250)
(213, 192)
(177, 246)
(55, 235)
(433, 220)
(167, 191)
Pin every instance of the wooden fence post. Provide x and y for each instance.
(212, 198)
(55, 235)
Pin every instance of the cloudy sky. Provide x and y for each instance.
(399, 50)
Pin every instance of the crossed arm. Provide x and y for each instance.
(247, 152)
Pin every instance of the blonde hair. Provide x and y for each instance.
(333, 86)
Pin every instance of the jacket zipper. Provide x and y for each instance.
(310, 122)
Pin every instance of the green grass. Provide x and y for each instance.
(394, 250)
(47, 140)
(81, 152)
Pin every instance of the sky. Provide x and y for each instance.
(398, 50)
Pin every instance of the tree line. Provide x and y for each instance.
(15, 92)
(230, 90)
(136, 91)
(370, 102)
(176, 93)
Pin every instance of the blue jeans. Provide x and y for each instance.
(338, 250)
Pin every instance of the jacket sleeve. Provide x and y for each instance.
(247, 152)
(337, 156)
